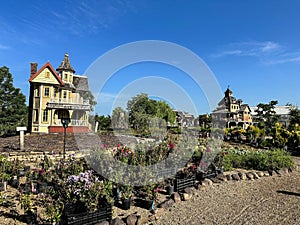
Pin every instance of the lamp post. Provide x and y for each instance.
(65, 122)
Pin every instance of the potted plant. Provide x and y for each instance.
(170, 186)
(29, 210)
(126, 193)
(107, 192)
(151, 196)
(5, 179)
(53, 211)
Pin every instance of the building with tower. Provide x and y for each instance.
(231, 113)
(57, 94)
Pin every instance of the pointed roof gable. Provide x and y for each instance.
(65, 64)
(47, 65)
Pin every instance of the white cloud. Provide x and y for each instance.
(270, 46)
(267, 52)
(252, 48)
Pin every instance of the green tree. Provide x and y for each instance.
(13, 109)
(165, 112)
(104, 122)
(89, 96)
(119, 118)
(294, 118)
(266, 116)
(142, 110)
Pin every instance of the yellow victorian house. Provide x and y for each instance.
(55, 95)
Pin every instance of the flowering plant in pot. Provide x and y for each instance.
(151, 195)
(126, 193)
(82, 191)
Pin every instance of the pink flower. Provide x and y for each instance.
(171, 145)
(208, 149)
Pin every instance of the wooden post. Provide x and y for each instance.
(21, 129)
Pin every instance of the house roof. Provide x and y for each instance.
(47, 65)
(80, 83)
(244, 106)
(66, 65)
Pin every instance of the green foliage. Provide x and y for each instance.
(294, 118)
(266, 116)
(104, 122)
(141, 110)
(258, 160)
(26, 203)
(89, 96)
(13, 109)
(119, 119)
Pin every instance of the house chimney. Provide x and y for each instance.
(33, 68)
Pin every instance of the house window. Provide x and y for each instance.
(45, 116)
(35, 115)
(55, 92)
(65, 76)
(46, 92)
(65, 94)
(47, 74)
(37, 91)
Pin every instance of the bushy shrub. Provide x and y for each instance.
(258, 160)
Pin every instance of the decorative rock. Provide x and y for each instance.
(235, 177)
(291, 169)
(255, 175)
(206, 182)
(222, 177)
(131, 219)
(242, 176)
(117, 221)
(260, 173)
(266, 174)
(272, 173)
(166, 204)
(228, 177)
(176, 197)
(282, 171)
(250, 175)
(186, 197)
(188, 190)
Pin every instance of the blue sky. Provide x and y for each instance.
(253, 46)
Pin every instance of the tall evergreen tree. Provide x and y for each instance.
(266, 116)
(13, 109)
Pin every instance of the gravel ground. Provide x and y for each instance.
(268, 200)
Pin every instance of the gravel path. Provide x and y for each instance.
(268, 200)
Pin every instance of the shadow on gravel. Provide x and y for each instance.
(289, 193)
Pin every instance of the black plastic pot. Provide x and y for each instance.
(170, 190)
(126, 203)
